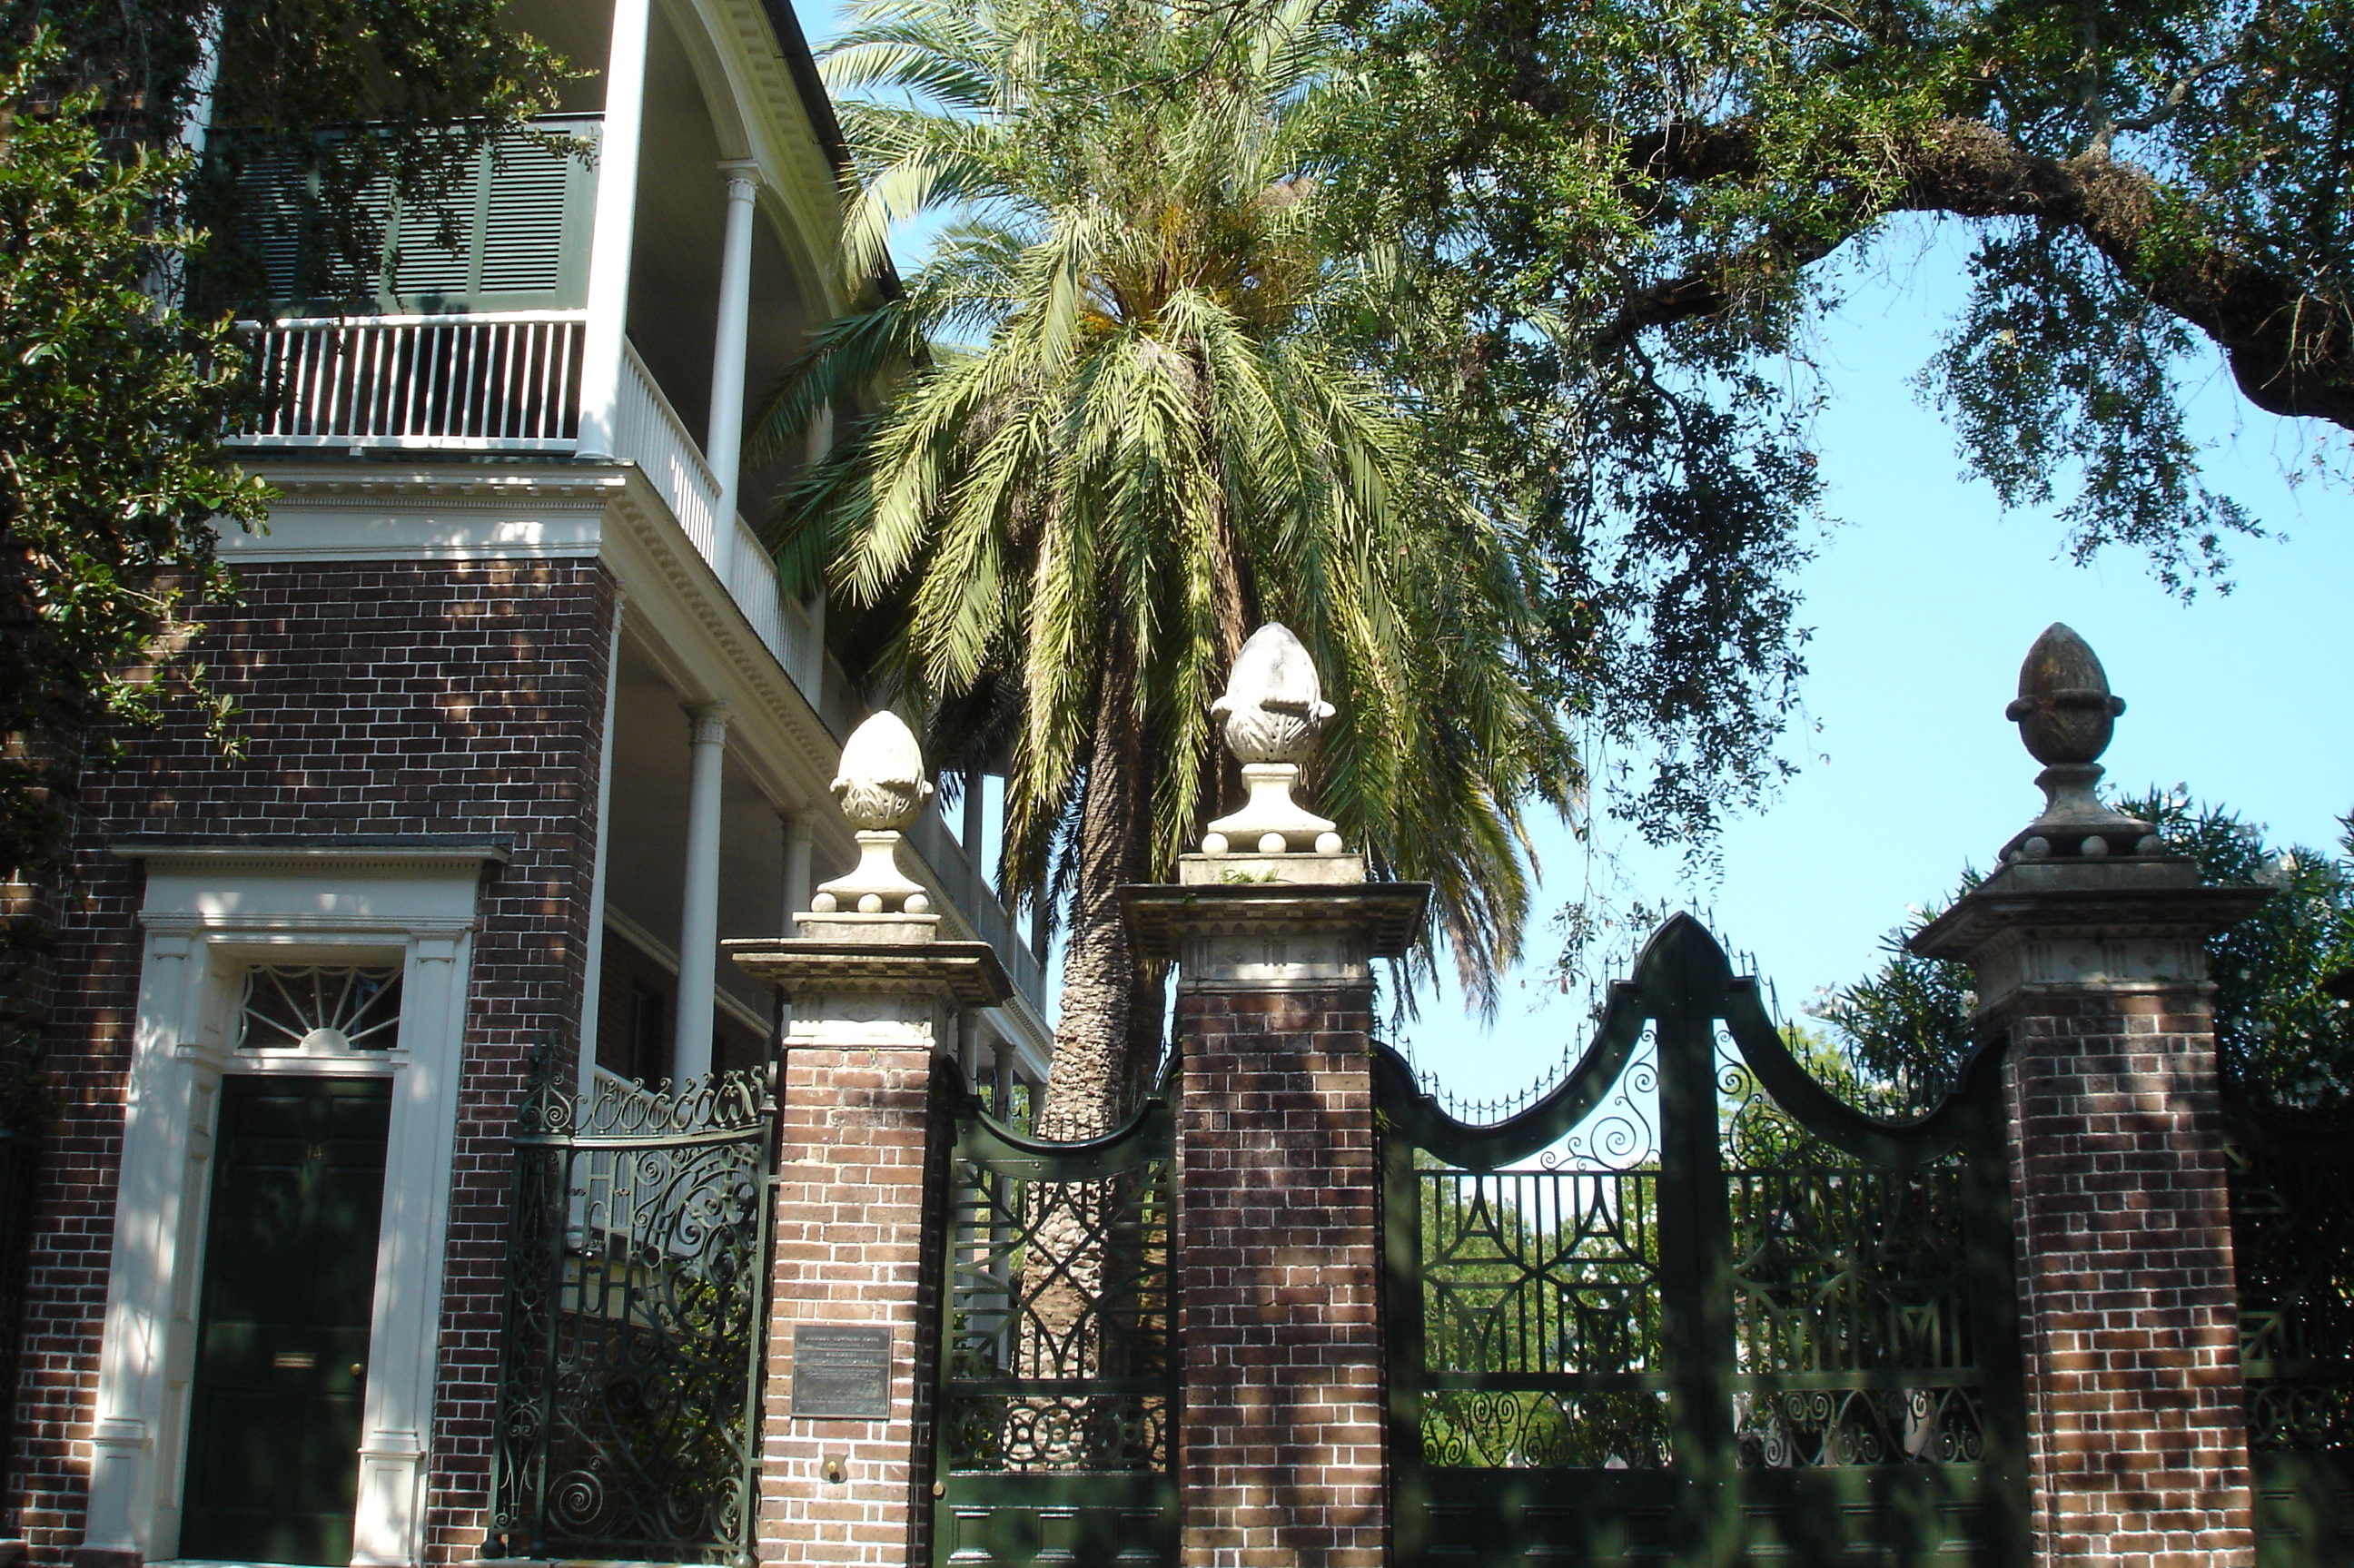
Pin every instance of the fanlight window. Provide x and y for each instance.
(322, 1012)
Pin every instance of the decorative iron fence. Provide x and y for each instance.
(637, 1299)
(1059, 1394)
(2292, 1180)
(1690, 1308)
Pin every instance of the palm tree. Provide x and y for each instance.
(1125, 425)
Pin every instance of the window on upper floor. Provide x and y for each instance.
(510, 232)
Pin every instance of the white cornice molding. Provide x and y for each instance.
(553, 481)
(798, 171)
(269, 926)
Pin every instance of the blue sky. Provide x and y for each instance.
(1923, 599)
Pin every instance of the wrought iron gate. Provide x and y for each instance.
(1725, 1318)
(2293, 1244)
(629, 1374)
(1057, 1399)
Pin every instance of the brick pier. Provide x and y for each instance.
(1282, 1437)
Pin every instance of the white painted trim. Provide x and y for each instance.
(723, 440)
(698, 929)
(612, 233)
(207, 918)
(592, 990)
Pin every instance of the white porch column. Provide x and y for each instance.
(593, 988)
(698, 929)
(615, 227)
(800, 878)
(723, 446)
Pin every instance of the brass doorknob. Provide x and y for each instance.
(359, 1369)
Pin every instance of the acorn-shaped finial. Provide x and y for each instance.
(2066, 715)
(2066, 712)
(880, 783)
(881, 788)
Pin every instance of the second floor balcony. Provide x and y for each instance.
(531, 317)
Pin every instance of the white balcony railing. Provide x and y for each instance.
(962, 880)
(506, 383)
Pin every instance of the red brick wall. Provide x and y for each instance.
(858, 1241)
(2138, 1445)
(1279, 1269)
(376, 698)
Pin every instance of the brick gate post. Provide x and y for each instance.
(845, 1458)
(2087, 946)
(1283, 1419)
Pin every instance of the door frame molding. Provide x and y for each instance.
(211, 912)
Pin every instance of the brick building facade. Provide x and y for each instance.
(525, 726)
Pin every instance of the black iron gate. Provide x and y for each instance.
(629, 1372)
(2291, 1182)
(1057, 1398)
(1725, 1318)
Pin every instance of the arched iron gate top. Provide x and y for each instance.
(1702, 1346)
(1685, 971)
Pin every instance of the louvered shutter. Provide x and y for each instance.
(273, 220)
(523, 229)
(430, 250)
(516, 236)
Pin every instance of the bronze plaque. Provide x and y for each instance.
(842, 1370)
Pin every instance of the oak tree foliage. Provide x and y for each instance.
(1639, 197)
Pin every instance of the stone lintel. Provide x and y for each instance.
(2137, 921)
(968, 973)
(1263, 935)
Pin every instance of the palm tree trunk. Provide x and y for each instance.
(1111, 1026)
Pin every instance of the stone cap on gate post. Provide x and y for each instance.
(2085, 895)
(872, 930)
(1274, 899)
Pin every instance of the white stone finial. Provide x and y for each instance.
(881, 788)
(1274, 706)
(1272, 711)
(881, 784)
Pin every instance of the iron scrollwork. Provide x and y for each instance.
(1855, 1339)
(1059, 1352)
(629, 1379)
(1695, 1288)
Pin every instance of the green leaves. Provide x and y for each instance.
(1132, 415)
(2283, 978)
(116, 381)
(111, 473)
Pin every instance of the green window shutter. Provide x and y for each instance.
(511, 234)
(273, 214)
(523, 230)
(429, 252)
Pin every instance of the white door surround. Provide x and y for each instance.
(213, 912)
